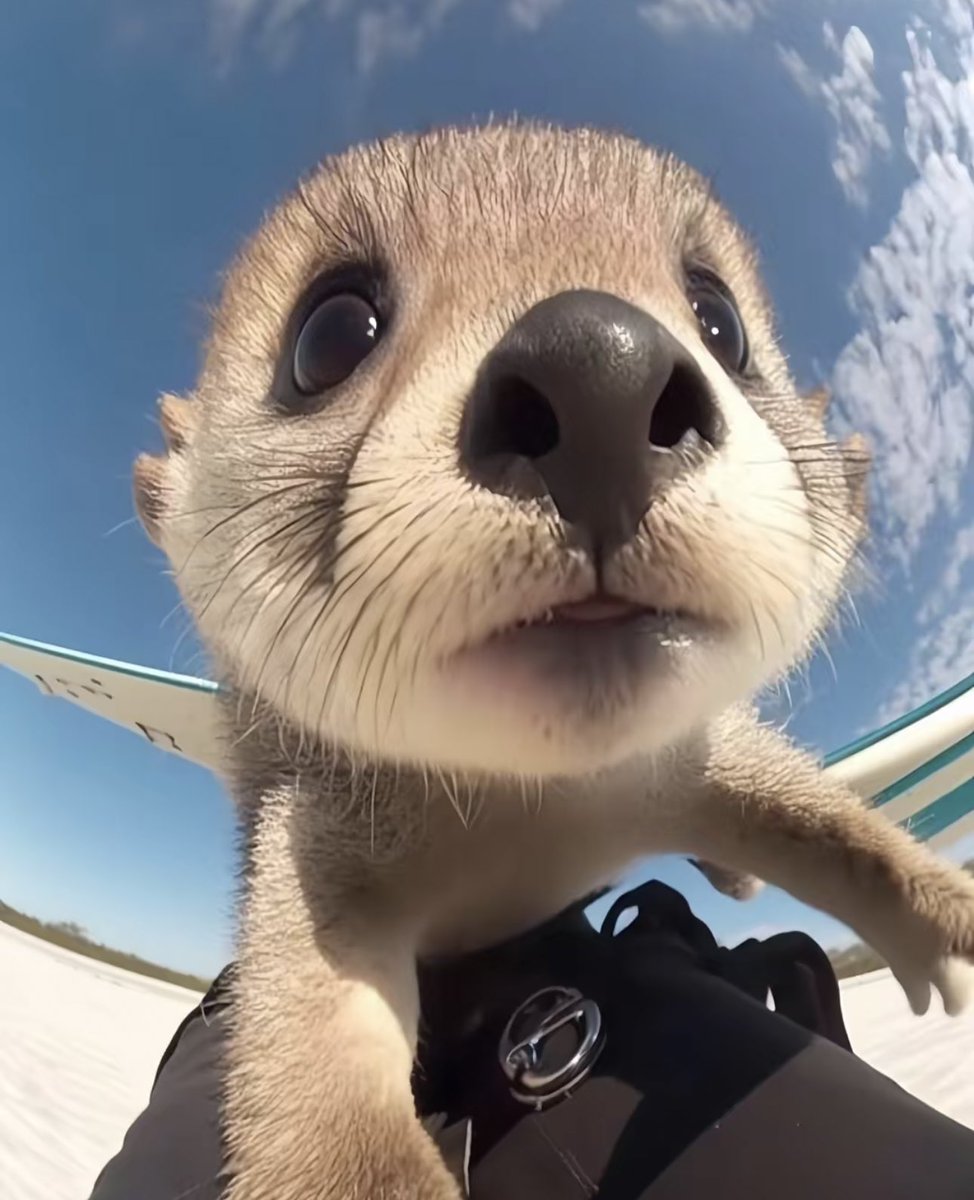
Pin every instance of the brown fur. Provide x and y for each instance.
(335, 560)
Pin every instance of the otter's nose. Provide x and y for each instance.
(589, 399)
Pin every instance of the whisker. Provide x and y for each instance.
(121, 525)
(300, 522)
(235, 514)
(363, 608)
(382, 584)
(341, 588)
(395, 642)
(325, 570)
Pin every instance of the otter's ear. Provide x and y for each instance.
(818, 401)
(858, 459)
(178, 419)
(856, 454)
(152, 473)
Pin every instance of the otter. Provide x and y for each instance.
(496, 506)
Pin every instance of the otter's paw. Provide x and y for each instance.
(735, 884)
(931, 945)
(951, 976)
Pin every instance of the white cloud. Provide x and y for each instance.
(849, 94)
(941, 657)
(852, 99)
(399, 29)
(907, 378)
(383, 29)
(711, 16)
(393, 32)
(272, 23)
(230, 21)
(801, 73)
(959, 563)
(531, 14)
(943, 652)
(961, 556)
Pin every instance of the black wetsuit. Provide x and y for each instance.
(700, 1089)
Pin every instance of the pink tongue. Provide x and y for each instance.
(598, 609)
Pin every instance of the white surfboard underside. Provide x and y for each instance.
(919, 770)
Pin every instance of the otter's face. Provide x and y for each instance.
(494, 464)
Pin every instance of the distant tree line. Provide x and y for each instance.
(857, 959)
(71, 936)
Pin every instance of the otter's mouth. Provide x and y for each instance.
(594, 635)
(599, 609)
(598, 645)
(601, 613)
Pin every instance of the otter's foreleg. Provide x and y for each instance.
(756, 804)
(318, 1103)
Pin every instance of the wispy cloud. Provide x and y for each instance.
(943, 652)
(531, 14)
(805, 78)
(272, 25)
(941, 657)
(959, 564)
(957, 578)
(397, 30)
(852, 99)
(710, 16)
(382, 29)
(906, 379)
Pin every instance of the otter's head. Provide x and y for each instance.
(494, 463)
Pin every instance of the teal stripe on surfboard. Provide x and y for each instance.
(925, 770)
(910, 718)
(942, 813)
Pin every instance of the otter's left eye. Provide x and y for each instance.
(720, 323)
(341, 332)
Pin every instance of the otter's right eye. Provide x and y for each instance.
(341, 332)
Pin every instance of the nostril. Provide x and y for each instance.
(513, 418)
(684, 404)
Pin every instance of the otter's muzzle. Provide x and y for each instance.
(590, 400)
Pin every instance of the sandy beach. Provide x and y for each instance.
(81, 1042)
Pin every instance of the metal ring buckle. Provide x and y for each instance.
(521, 1051)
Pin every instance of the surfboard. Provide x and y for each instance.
(918, 770)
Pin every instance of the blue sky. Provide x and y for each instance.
(142, 141)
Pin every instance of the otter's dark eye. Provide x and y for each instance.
(335, 338)
(720, 322)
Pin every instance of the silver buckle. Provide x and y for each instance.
(523, 1042)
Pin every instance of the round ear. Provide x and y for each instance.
(855, 452)
(178, 420)
(858, 459)
(152, 489)
(818, 401)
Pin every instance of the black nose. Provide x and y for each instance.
(589, 399)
